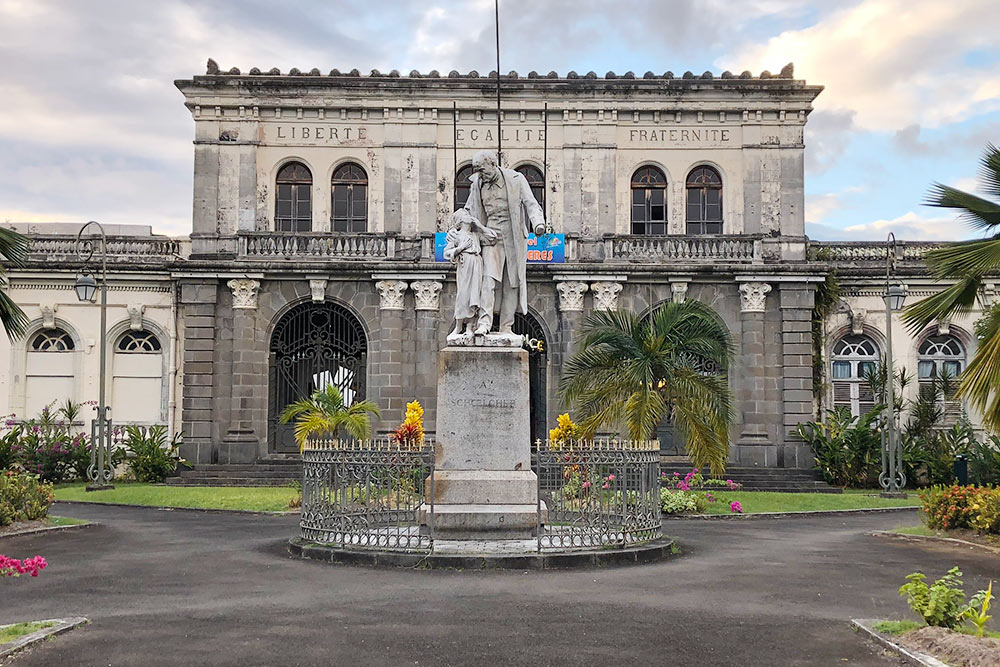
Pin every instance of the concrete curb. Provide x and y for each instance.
(647, 553)
(912, 657)
(47, 529)
(164, 508)
(61, 625)
(934, 538)
(782, 515)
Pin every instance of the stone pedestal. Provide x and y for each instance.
(483, 485)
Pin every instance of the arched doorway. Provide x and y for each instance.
(313, 345)
(527, 325)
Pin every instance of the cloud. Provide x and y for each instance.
(828, 134)
(893, 62)
(907, 227)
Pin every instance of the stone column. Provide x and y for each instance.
(387, 372)
(241, 444)
(197, 320)
(754, 447)
(570, 315)
(797, 300)
(427, 303)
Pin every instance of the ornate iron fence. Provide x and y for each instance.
(368, 494)
(601, 493)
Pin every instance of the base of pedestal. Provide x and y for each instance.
(469, 521)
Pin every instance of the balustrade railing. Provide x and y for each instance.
(869, 251)
(119, 248)
(304, 245)
(735, 249)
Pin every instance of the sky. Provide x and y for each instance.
(93, 128)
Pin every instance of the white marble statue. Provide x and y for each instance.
(465, 241)
(501, 200)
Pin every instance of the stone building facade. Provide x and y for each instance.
(311, 258)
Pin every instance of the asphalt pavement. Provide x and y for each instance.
(193, 588)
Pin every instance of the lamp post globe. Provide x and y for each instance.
(895, 296)
(85, 287)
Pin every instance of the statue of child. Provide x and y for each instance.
(464, 248)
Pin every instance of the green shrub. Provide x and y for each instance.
(150, 457)
(23, 496)
(949, 507)
(984, 461)
(847, 449)
(10, 446)
(940, 604)
(673, 501)
(986, 511)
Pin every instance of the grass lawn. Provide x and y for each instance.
(64, 521)
(11, 632)
(258, 499)
(770, 501)
(899, 627)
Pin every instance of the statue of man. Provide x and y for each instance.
(501, 199)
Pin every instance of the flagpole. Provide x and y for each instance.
(496, 7)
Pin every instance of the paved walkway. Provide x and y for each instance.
(185, 588)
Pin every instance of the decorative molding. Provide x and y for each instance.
(943, 327)
(605, 295)
(49, 315)
(858, 316)
(135, 316)
(390, 294)
(244, 292)
(317, 286)
(679, 292)
(426, 294)
(571, 296)
(69, 285)
(753, 297)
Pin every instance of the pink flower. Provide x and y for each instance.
(586, 485)
(684, 486)
(605, 486)
(735, 507)
(709, 497)
(611, 478)
(676, 474)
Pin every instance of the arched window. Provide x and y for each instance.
(293, 199)
(704, 201)
(941, 357)
(649, 201)
(536, 181)
(350, 199)
(50, 370)
(853, 358)
(462, 186)
(137, 388)
(52, 340)
(139, 342)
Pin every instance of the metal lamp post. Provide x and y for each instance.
(891, 478)
(99, 473)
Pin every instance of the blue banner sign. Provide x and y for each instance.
(544, 249)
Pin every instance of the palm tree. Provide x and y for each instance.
(13, 252)
(324, 413)
(968, 263)
(633, 372)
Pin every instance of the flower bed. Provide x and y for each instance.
(692, 494)
(956, 507)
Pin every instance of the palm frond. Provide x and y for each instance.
(13, 247)
(955, 300)
(971, 258)
(980, 381)
(989, 170)
(977, 212)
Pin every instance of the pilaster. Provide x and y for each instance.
(197, 306)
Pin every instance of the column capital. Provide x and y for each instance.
(390, 294)
(244, 292)
(753, 297)
(571, 295)
(605, 295)
(426, 294)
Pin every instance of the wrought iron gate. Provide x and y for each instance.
(314, 345)
(527, 325)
